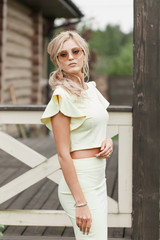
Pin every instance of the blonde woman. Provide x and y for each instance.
(77, 116)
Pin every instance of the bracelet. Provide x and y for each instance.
(80, 204)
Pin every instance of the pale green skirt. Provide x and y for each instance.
(91, 176)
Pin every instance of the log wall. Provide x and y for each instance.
(22, 53)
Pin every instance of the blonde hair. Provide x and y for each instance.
(59, 77)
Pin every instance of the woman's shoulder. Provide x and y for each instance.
(60, 90)
(92, 83)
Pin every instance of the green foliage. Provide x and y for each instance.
(114, 51)
(107, 42)
(1, 226)
(121, 64)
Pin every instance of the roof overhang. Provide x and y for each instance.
(55, 8)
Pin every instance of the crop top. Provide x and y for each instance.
(89, 117)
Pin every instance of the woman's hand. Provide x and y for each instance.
(106, 148)
(83, 219)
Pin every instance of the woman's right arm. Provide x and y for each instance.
(61, 132)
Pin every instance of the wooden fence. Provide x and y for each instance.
(119, 212)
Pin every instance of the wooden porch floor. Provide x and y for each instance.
(47, 238)
(43, 195)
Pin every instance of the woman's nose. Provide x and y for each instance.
(70, 56)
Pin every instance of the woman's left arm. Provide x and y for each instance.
(106, 148)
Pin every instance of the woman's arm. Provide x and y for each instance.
(61, 132)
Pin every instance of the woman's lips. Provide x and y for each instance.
(72, 64)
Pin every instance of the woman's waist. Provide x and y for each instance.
(90, 166)
(90, 172)
(84, 153)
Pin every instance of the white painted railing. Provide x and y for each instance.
(119, 213)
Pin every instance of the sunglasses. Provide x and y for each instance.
(64, 55)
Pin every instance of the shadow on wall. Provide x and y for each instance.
(120, 90)
(117, 90)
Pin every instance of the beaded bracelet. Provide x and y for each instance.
(80, 204)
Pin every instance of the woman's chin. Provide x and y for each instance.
(74, 71)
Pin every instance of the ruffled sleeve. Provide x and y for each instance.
(62, 101)
(102, 99)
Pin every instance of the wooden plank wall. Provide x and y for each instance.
(23, 54)
(120, 90)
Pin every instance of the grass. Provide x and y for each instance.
(1, 226)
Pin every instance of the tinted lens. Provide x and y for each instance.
(76, 52)
(63, 55)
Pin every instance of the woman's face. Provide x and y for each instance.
(71, 57)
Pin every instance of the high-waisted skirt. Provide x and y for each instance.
(91, 176)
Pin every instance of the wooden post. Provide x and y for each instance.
(37, 58)
(146, 120)
(3, 14)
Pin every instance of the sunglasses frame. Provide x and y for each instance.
(73, 55)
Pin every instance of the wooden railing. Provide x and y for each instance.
(119, 212)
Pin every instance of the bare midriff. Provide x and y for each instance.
(85, 153)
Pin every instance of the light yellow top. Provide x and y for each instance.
(89, 117)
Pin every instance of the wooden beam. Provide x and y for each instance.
(37, 57)
(16, 50)
(146, 120)
(18, 62)
(17, 26)
(18, 38)
(3, 13)
(19, 6)
(17, 13)
(56, 218)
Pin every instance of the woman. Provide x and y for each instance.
(78, 118)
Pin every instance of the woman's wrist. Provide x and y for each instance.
(80, 204)
(80, 199)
